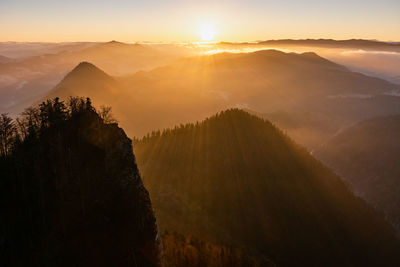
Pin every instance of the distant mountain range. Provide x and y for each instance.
(328, 43)
(21, 50)
(370, 57)
(351, 43)
(26, 80)
(306, 95)
(367, 156)
(237, 179)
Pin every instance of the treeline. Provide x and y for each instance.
(34, 120)
(213, 121)
(189, 251)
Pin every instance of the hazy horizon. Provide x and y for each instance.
(191, 21)
(199, 42)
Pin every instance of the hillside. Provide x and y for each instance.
(237, 179)
(71, 193)
(367, 156)
(4, 59)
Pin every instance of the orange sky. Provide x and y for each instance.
(179, 20)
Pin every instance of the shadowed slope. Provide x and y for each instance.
(237, 179)
(367, 156)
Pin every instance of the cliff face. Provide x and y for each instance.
(74, 197)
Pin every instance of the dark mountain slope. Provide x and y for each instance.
(367, 156)
(237, 179)
(71, 194)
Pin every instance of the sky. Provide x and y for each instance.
(191, 21)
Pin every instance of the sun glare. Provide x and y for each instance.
(207, 32)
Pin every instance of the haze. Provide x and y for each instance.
(178, 20)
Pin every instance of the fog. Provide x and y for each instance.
(161, 85)
(379, 63)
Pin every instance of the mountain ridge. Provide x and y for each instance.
(333, 43)
(239, 179)
(194, 88)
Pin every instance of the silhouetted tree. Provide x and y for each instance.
(7, 133)
(89, 104)
(28, 124)
(190, 251)
(106, 114)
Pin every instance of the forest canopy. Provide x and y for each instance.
(34, 120)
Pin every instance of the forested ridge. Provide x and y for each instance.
(236, 179)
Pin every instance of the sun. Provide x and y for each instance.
(207, 32)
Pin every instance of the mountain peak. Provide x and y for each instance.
(310, 54)
(84, 79)
(117, 44)
(87, 69)
(85, 64)
(114, 42)
(269, 52)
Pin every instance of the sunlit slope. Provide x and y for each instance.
(237, 179)
(4, 59)
(301, 85)
(26, 80)
(139, 109)
(367, 156)
(86, 79)
(268, 82)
